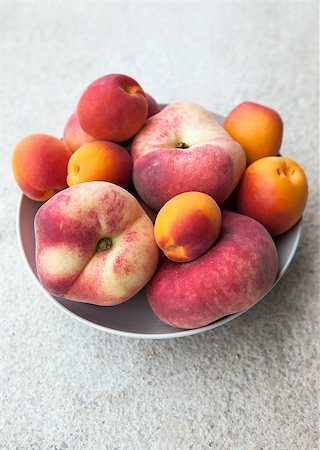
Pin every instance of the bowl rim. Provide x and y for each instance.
(153, 336)
(177, 334)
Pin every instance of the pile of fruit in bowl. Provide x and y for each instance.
(136, 195)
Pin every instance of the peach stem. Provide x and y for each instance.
(104, 244)
(182, 145)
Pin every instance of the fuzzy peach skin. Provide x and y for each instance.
(112, 108)
(74, 136)
(39, 165)
(187, 226)
(257, 128)
(100, 161)
(238, 270)
(183, 148)
(153, 107)
(274, 191)
(94, 244)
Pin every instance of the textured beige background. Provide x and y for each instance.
(248, 385)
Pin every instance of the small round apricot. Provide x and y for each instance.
(187, 226)
(100, 161)
(273, 191)
(39, 165)
(257, 128)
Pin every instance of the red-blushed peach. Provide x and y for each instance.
(100, 161)
(39, 165)
(112, 108)
(257, 128)
(274, 191)
(153, 107)
(181, 149)
(187, 226)
(237, 271)
(74, 136)
(94, 244)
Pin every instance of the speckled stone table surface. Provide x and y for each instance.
(251, 384)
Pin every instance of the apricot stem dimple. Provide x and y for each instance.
(170, 247)
(76, 169)
(104, 244)
(286, 172)
(182, 145)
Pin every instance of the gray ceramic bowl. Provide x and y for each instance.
(133, 318)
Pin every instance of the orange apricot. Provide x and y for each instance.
(39, 166)
(187, 226)
(273, 191)
(257, 128)
(100, 161)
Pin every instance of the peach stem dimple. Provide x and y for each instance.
(182, 145)
(104, 244)
(130, 89)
